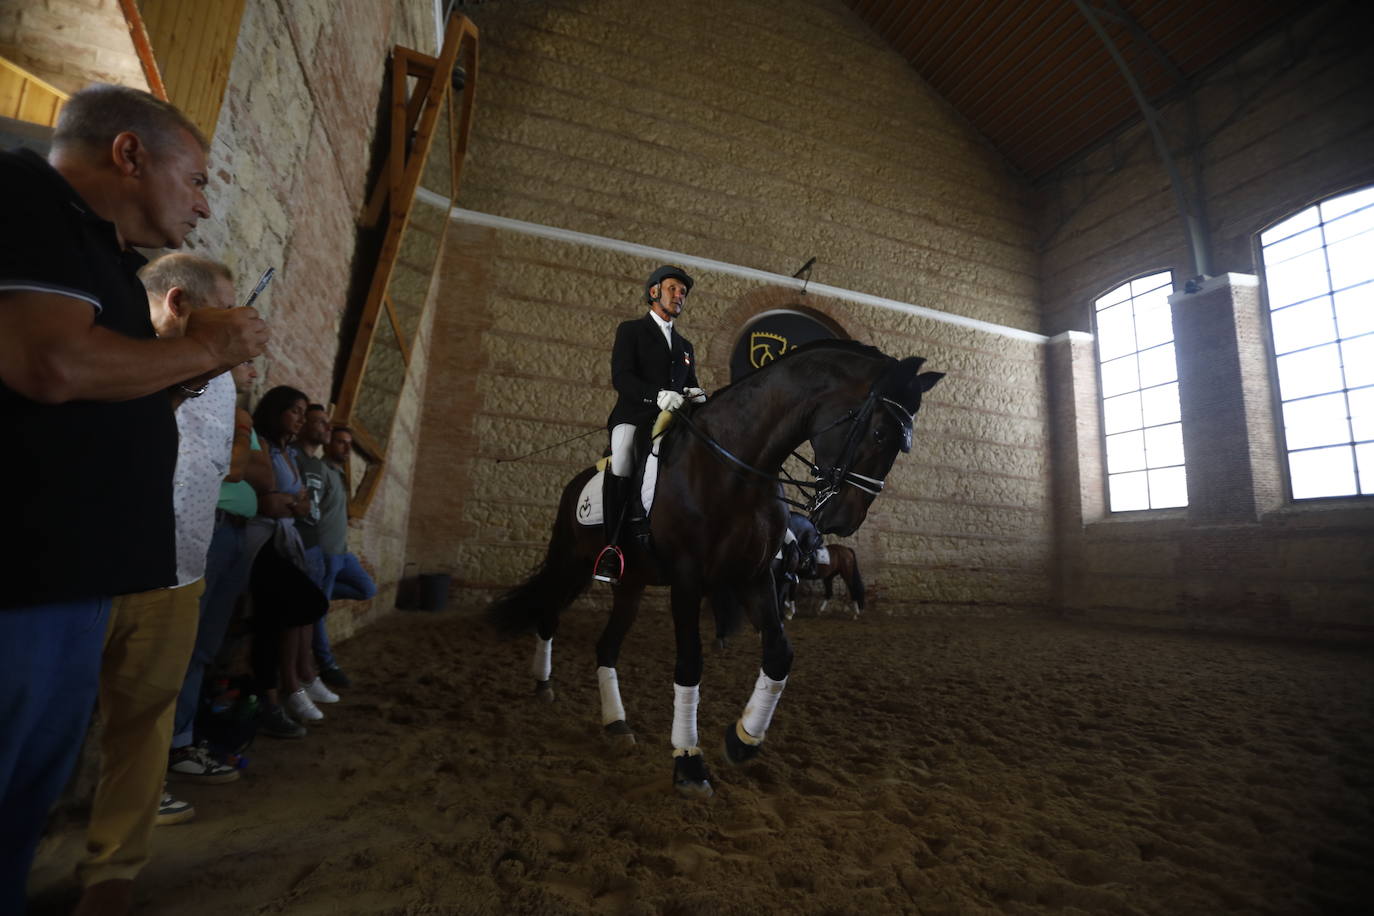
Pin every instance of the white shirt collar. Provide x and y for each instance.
(665, 326)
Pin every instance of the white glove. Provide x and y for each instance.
(669, 400)
(695, 395)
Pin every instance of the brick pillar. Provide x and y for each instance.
(1078, 466)
(448, 447)
(1226, 401)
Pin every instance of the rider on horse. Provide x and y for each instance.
(807, 541)
(653, 368)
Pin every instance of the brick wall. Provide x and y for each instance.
(1239, 556)
(790, 133)
(1288, 123)
(290, 162)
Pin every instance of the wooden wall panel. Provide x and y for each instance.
(25, 97)
(194, 41)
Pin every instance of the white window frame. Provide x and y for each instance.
(1309, 312)
(1118, 294)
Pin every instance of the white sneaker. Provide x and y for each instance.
(300, 707)
(319, 693)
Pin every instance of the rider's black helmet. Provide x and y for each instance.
(663, 273)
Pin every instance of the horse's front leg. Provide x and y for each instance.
(624, 606)
(690, 776)
(742, 740)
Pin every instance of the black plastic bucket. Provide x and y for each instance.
(434, 591)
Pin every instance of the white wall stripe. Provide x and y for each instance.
(686, 260)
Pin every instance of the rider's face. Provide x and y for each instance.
(669, 297)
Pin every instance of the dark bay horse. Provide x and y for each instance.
(841, 563)
(717, 521)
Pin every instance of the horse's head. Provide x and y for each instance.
(853, 455)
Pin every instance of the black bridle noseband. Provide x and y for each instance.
(830, 479)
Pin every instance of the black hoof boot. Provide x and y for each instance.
(619, 731)
(690, 777)
(543, 690)
(737, 751)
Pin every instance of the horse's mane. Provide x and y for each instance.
(827, 343)
(830, 343)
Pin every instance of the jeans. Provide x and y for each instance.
(49, 678)
(226, 577)
(344, 577)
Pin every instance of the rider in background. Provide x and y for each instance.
(808, 542)
(653, 368)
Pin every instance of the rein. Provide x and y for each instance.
(829, 479)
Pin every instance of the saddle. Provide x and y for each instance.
(643, 480)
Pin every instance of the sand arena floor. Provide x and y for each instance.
(920, 765)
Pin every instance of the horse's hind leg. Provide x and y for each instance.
(855, 583)
(829, 581)
(742, 740)
(541, 665)
(690, 777)
(624, 606)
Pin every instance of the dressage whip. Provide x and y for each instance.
(539, 451)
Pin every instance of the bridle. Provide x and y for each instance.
(828, 480)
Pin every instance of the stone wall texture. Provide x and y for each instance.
(761, 134)
(70, 43)
(758, 134)
(789, 134)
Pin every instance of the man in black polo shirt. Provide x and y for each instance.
(85, 402)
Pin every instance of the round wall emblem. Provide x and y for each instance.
(772, 333)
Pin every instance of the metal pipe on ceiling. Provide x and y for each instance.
(1190, 209)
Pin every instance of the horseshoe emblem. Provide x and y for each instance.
(765, 346)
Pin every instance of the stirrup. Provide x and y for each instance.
(617, 558)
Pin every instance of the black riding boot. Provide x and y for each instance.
(610, 563)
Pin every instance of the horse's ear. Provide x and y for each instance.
(902, 374)
(926, 380)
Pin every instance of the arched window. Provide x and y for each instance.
(1139, 382)
(1319, 282)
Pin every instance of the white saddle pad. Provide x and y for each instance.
(822, 556)
(589, 505)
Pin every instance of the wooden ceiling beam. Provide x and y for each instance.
(1021, 61)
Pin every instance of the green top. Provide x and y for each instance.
(240, 498)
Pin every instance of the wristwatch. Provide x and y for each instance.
(192, 392)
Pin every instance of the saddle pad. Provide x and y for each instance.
(590, 510)
(823, 556)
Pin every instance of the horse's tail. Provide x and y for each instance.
(557, 581)
(856, 582)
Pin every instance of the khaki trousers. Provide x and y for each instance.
(147, 649)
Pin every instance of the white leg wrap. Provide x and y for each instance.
(541, 666)
(759, 712)
(823, 604)
(612, 710)
(685, 700)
